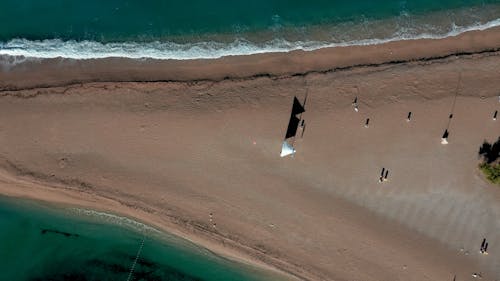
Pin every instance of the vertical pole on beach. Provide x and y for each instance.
(302, 122)
(409, 117)
(457, 90)
(367, 122)
(495, 115)
(444, 138)
(386, 175)
(303, 125)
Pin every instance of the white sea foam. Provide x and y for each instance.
(114, 219)
(55, 48)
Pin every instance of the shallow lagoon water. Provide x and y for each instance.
(43, 242)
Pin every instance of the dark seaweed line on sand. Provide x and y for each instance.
(21, 171)
(7, 90)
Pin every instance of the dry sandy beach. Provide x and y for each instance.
(169, 142)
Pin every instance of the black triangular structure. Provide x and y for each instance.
(297, 107)
(292, 127)
(294, 122)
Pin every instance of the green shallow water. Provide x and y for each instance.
(191, 29)
(139, 20)
(40, 242)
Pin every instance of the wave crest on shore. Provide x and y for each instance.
(71, 49)
(118, 220)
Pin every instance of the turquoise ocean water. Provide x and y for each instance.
(39, 242)
(173, 29)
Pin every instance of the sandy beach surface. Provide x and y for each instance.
(169, 142)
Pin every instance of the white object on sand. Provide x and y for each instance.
(444, 138)
(286, 149)
(476, 275)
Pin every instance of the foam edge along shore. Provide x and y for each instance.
(55, 48)
(102, 244)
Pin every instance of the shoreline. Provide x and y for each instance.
(284, 39)
(156, 141)
(63, 72)
(83, 213)
(63, 198)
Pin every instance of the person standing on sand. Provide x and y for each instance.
(381, 179)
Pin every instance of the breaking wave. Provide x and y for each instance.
(56, 48)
